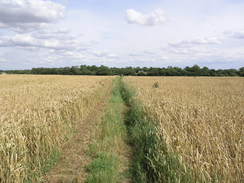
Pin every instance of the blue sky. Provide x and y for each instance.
(157, 33)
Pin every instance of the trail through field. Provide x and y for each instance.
(111, 155)
(74, 156)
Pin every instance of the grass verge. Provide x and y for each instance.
(108, 151)
(152, 160)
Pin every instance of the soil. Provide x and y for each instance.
(75, 157)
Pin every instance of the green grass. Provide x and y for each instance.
(105, 152)
(152, 161)
(46, 165)
(103, 169)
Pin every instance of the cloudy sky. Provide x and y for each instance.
(157, 33)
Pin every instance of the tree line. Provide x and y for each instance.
(195, 70)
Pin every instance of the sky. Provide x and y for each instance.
(116, 33)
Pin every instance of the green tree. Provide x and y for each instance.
(103, 70)
(241, 72)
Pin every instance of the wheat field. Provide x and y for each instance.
(38, 115)
(201, 119)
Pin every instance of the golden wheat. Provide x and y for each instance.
(201, 119)
(37, 116)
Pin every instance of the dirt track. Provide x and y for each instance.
(74, 159)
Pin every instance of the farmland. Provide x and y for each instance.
(38, 115)
(201, 120)
(149, 129)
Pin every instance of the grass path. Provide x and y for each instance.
(98, 152)
(110, 153)
(126, 146)
(74, 157)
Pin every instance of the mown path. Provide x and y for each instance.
(111, 155)
(99, 151)
(74, 156)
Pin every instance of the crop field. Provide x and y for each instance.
(201, 120)
(38, 115)
(121, 129)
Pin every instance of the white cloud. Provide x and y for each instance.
(63, 30)
(28, 41)
(62, 33)
(234, 34)
(51, 59)
(28, 15)
(134, 54)
(143, 53)
(234, 53)
(3, 60)
(104, 53)
(198, 41)
(135, 17)
(239, 35)
(100, 53)
(112, 55)
(194, 51)
(52, 42)
(71, 54)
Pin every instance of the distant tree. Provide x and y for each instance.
(86, 71)
(92, 68)
(195, 70)
(152, 71)
(103, 70)
(241, 72)
(232, 72)
(128, 71)
(115, 71)
(205, 71)
(74, 70)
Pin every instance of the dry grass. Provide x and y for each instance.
(38, 115)
(201, 119)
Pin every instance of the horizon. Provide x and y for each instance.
(159, 33)
(78, 66)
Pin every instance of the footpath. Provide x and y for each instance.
(118, 143)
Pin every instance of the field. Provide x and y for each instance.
(149, 129)
(38, 115)
(201, 119)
